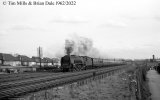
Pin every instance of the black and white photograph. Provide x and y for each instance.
(79, 50)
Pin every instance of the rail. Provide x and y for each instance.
(27, 86)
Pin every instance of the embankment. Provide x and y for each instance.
(138, 82)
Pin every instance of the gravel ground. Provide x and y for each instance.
(115, 87)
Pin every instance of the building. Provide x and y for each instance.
(9, 60)
(56, 62)
(48, 61)
(26, 61)
(44, 61)
(36, 60)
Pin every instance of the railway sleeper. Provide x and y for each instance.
(60, 81)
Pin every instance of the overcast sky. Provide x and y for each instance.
(118, 28)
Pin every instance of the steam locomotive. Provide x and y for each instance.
(70, 63)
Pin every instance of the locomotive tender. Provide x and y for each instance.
(77, 63)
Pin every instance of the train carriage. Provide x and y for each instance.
(112, 62)
(97, 62)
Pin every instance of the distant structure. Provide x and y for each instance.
(153, 57)
(40, 54)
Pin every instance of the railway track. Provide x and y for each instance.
(32, 85)
(6, 85)
(16, 74)
(24, 76)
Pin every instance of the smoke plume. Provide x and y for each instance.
(69, 46)
(81, 46)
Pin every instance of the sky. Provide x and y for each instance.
(118, 28)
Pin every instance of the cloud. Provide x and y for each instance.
(157, 18)
(115, 24)
(154, 17)
(3, 32)
(70, 20)
(9, 29)
(22, 27)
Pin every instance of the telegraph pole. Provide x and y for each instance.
(40, 55)
(2, 59)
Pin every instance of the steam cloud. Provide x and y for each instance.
(75, 45)
(81, 46)
(69, 46)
